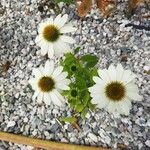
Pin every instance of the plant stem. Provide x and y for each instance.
(45, 144)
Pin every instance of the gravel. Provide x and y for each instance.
(110, 40)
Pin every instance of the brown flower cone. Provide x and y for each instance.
(106, 6)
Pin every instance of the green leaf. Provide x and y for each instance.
(80, 82)
(76, 50)
(92, 106)
(65, 1)
(89, 60)
(68, 119)
(86, 98)
(84, 112)
(79, 107)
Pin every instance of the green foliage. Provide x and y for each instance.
(65, 1)
(89, 60)
(81, 72)
(71, 120)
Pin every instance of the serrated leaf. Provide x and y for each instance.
(89, 60)
(71, 120)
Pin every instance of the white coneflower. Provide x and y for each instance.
(51, 36)
(48, 83)
(114, 89)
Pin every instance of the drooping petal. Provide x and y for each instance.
(47, 99)
(98, 80)
(67, 39)
(57, 20)
(44, 50)
(57, 71)
(40, 97)
(62, 86)
(104, 75)
(112, 72)
(119, 72)
(59, 96)
(55, 99)
(125, 106)
(61, 47)
(36, 72)
(49, 67)
(61, 21)
(35, 95)
(134, 96)
(51, 51)
(68, 28)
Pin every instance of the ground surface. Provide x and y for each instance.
(109, 39)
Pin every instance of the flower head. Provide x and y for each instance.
(114, 89)
(48, 83)
(51, 36)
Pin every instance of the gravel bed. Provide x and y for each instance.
(109, 39)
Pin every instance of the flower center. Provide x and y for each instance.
(51, 33)
(46, 84)
(74, 93)
(115, 91)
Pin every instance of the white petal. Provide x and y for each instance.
(55, 98)
(65, 81)
(101, 101)
(104, 75)
(47, 99)
(57, 20)
(38, 39)
(119, 72)
(98, 80)
(112, 72)
(134, 96)
(67, 39)
(59, 95)
(125, 106)
(112, 107)
(44, 50)
(61, 47)
(127, 76)
(131, 87)
(68, 28)
(35, 95)
(62, 86)
(51, 51)
(40, 98)
(57, 71)
(61, 76)
(41, 68)
(36, 72)
(49, 67)
(95, 88)
(60, 22)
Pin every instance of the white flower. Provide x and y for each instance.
(114, 89)
(48, 83)
(51, 36)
